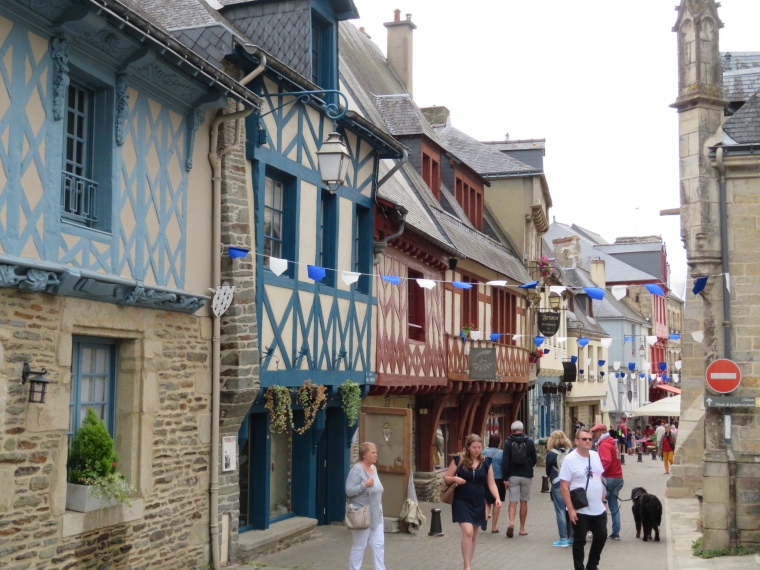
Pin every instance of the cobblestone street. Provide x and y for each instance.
(404, 551)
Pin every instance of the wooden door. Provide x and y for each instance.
(390, 429)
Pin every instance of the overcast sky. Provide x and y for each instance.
(594, 78)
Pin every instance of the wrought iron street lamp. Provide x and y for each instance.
(333, 160)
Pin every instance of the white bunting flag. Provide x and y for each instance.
(698, 336)
(606, 342)
(277, 265)
(558, 289)
(350, 277)
(497, 283)
(728, 282)
(517, 336)
(426, 283)
(616, 366)
(619, 291)
(651, 339)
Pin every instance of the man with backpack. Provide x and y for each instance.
(517, 468)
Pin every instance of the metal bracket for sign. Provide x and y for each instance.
(332, 110)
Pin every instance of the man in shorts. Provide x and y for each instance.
(517, 470)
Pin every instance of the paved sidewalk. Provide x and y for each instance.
(329, 550)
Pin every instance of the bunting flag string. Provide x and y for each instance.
(278, 266)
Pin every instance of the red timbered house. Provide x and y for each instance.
(433, 224)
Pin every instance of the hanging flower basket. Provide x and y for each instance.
(533, 359)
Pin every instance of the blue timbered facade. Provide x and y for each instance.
(105, 255)
(311, 328)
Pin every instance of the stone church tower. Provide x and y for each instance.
(718, 235)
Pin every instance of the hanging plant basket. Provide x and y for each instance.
(351, 395)
(313, 398)
(278, 402)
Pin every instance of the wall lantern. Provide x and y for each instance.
(642, 350)
(555, 301)
(333, 162)
(37, 383)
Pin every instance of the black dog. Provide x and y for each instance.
(647, 511)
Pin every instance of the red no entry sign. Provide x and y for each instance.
(723, 376)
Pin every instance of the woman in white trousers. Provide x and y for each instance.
(363, 487)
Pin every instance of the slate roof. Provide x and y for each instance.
(616, 271)
(577, 318)
(482, 158)
(397, 190)
(741, 74)
(404, 117)
(613, 248)
(343, 8)
(527, 144)
(482, 249)
(744, 125)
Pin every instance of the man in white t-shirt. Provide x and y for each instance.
(582, 469)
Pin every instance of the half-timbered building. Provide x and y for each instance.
(106, 260)
(440, 237)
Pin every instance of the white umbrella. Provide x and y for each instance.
(663, 407)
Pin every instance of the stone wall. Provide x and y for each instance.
(239, 375)
(162, 436)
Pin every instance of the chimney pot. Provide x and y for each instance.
(408, 16)
(397, 15)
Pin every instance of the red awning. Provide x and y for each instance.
(669, 388)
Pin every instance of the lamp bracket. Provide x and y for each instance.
(332, 110)
(26, 372)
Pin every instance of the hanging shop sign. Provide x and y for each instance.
(548, 322)
(482, 364)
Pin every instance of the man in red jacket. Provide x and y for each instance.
(606, 446)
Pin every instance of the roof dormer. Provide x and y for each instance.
(302, 34)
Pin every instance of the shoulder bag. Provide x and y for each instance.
(447, 491)
(578, 496)
(357, 517)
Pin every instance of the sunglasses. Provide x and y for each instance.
(585, 439)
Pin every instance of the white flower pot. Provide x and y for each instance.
(80, 499)
(476, 335)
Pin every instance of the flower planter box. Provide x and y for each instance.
(533, 359)
(80, 499)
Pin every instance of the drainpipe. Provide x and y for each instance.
(733, 531)
(215, 159)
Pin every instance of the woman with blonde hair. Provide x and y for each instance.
(363, 487)
(558, 446)
(471, 472)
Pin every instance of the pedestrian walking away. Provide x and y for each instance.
(668, 447)
(582, 469)
(471, 471)
(559, 447)
(363, 487)
(495, 452)
(517, 464)
(613, 476)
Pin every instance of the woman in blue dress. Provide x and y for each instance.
(472, 472)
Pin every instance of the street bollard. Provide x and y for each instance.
(622, 459)
(654, 454)
(641, 457)
(435, 523)
(544, 484)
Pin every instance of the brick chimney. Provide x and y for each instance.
(400, 47)
(598, 274)
(567, 250)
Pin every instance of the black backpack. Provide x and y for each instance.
(518, 454)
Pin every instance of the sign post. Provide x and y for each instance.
(723, 377)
